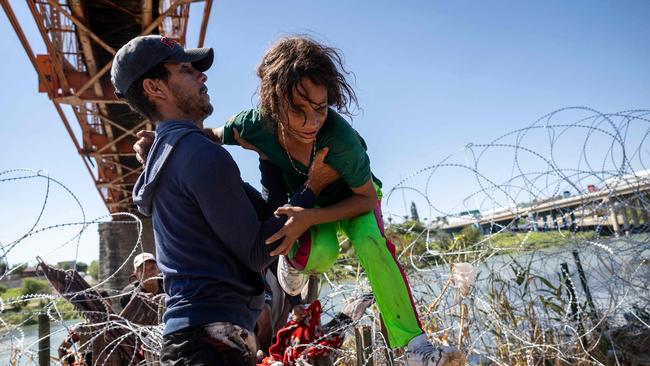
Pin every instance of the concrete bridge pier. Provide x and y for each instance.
(553, 224)
(643, 207)
(532, 219)
(565, 220)
(613, 217)
(539, 219)
(634, 213)
(116, 242)
(626, 219)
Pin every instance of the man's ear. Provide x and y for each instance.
(154, 89)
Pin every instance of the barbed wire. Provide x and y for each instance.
(554, 217)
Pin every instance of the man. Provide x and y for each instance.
(209, 235)
(147, 278)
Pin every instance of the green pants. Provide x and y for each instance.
(317, 251)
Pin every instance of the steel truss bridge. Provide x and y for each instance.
(81, 38)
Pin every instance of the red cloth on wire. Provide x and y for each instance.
(302, 339)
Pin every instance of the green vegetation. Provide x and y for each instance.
(18, 269)
(537, 239)
(25, 311)
(11, 294)
(33, 286)
(79, 266)
(531, 300)
(93, 269)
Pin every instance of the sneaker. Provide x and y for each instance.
(291, 280)
(422, 353)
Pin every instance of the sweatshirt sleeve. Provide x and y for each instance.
(213, 180)
(274, 188)
(274, 193)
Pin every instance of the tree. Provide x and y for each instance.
(82, 267)
(471, 234)
(407, 227)
(414, 212)
(32, 286)
(93, 269)
(19, 268)
(64, 265)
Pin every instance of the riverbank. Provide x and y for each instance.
(417, 249)
(21, 305)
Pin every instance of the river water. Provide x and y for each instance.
(26, 338)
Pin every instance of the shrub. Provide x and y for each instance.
(32, 286)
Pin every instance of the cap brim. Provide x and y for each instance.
(201, 58)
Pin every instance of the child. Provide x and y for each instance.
(300, 80)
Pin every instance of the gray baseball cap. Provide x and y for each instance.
(142, 53)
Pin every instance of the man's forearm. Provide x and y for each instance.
(260, 256)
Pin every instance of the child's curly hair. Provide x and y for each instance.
(288, 61)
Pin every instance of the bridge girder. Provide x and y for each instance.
(81, 38)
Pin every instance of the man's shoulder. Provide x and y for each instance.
(197, 157)
(198, 146)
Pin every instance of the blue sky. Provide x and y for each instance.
(431, 76)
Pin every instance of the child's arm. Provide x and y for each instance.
(363, 200)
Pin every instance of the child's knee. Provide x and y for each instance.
(317, 250)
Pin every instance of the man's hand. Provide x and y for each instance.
(320, 173)
(143, 145)
(299, 221)
(247, 145)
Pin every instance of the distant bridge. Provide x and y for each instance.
(621, 206)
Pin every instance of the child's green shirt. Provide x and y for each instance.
(347, 152)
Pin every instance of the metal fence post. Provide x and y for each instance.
(43, 340)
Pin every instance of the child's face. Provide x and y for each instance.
(311, 101)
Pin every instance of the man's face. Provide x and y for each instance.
(146, 271)
(190, 95)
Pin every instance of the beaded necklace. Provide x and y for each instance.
(286, 150)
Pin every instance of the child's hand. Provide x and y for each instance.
(299, 221)
(143, 145)
(247, 145)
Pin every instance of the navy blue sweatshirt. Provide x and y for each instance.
(209, 236)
